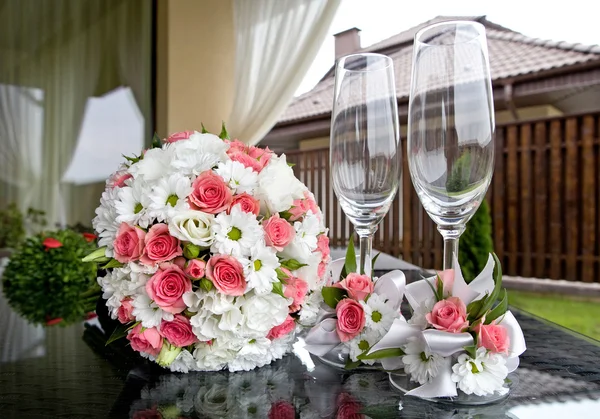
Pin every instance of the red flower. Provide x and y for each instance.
(52, 322)
(89, 237)
(51, 243)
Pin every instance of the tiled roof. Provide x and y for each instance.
(511, 54)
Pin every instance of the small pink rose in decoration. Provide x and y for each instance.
(129, 243)
(148, 340)
(180, 261)
(278, 232)
(195, 268)
(178, 331)
(226, 274)
(118, 179)
(321, 270)
(447, 277)
(350, 319)
(178, 136)
(449, 315)
(493, 337)
(298, 210)
(323, 245)
(160, 246)
(210, 193)
(125, 312)
(358, 286)
(282, 410)
(51, 243)
(250, 156)
(167, 286)
(296, 289)
(283, 329)
(348, 407)
(246, 202)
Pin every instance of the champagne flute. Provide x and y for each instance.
(364, 152)
(451, 125)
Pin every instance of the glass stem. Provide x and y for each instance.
(451, 235)
(366, 247)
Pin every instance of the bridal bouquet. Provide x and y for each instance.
(460, 336)
(357, 311)
(213, 250)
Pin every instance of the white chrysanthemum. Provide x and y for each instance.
(361, 343)
(193, 300)
(114, 289)
(192, 226)
(168, 196)
(277, 186)
(105, 223)
(311, 307)
(184, 362)
(379, 315)
(213, 356)
(262, 313)
(198, 153)
(303, 246)
(236, 233)
(146, 311)
(205, 326)
(419, 313)
(132, 205)
(310, 272)
(481, 376)
(260, 271)
(155, 164)
(421, 364)
(239, 177)
(253, 353)
(280, 347)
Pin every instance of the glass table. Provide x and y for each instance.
(69, 373)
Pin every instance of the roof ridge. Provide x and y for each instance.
(548, 43)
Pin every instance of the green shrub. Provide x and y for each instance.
(14, 225)
(476, 243)
(44, 283)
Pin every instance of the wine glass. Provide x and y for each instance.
(364, 153)
(451, 125)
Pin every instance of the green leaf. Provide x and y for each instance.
(285, 214)
(499, 310)
(278, 288)
(471, 350)
(291, 164)
(440, 287)
(191, 251)
(132, 159)
(383, 353)
(332, 295)
(204, 130)
(435, 293)
(113, 263)
(98, 255)
(281, 275)
(474, 308)
(224, 135)
(350, 263)
(119, 332)
(292, 264)
(156, 141)
(374, 260)
(350, 365)
(497, 288)
(206, 284)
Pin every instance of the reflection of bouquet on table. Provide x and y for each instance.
(213, 250)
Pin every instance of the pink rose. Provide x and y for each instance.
(167, 286)
(283, 329)
(129, 243)
(180, 261)
(350, 319)
(449, 315)
(493, 337)
(278, 232)
(321, 270)
(210, 193)
(253, 157)
(358, 286)
(301, 206)
(125, 312)
(282, 410)
(195, 268)
(148, 340)
(178, 331)
(227, 274)
(296, 289)
(160, 246)
(323, 245)
(178, 136)
(447, 278)
(348, 407)
(117, 179)
(246, 202)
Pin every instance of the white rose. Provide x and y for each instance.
(192, 226)
(277, 186)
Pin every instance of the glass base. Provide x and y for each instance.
(402, 382)
(338, 359)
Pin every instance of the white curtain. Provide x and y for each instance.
(276, 42)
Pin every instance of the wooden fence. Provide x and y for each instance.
(544, 200)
